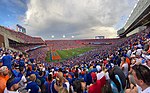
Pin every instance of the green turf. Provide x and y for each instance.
(48, 56)
(65, 54)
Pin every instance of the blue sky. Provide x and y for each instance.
(12, 12)
(70, 18)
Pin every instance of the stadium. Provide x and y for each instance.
(31, 64)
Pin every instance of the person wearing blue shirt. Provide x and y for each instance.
(7, 60)
(32, 86)
(46, 88)
(69, 79)
(41, 78)
(34, 71)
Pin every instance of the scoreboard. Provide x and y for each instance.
(20, 29)
(99, 37)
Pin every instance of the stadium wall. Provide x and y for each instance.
(1, 40)
(5, 36)
(4, 42)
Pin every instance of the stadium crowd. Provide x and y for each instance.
(23, 37)
(63, 44)
(123, 67)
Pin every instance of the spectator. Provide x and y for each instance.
(7, 60)
(107, 88)
(32, 86)
(58, 83)
(12, 85)
(118, 80)
(141, 75)
(23, 80)
(3, 78)
(97, 84)
(21, 60)
(41, 78)
(34, 71)
(132, 89)
(79, 86)
(100, 73)
(81, 66)
(46, 88)
(117, 71)
(125, 68)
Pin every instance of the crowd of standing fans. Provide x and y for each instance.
(123, 67)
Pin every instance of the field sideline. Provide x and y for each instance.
(65, 54)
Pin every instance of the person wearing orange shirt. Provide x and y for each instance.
(3, 78)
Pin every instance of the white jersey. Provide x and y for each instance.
(100, 75)
(125, 70)
(147, 90)
(7, 91)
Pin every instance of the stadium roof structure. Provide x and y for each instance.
(9, 36)
(6, 33)
(140, 16)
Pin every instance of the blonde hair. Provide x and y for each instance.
(32, 77)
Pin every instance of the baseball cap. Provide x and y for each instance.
(14, 81)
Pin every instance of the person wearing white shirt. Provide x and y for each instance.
(147, 90)
(100, 75)
(141, 76)
(129, 53)
(124, 67)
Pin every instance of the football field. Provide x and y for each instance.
(64, 54)
(68, 53)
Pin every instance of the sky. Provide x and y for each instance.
(67, 19)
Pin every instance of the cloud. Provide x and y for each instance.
(108, 32)
(14, 6)
(78, 18)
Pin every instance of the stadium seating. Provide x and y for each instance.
(26, 38)
(105, 58)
